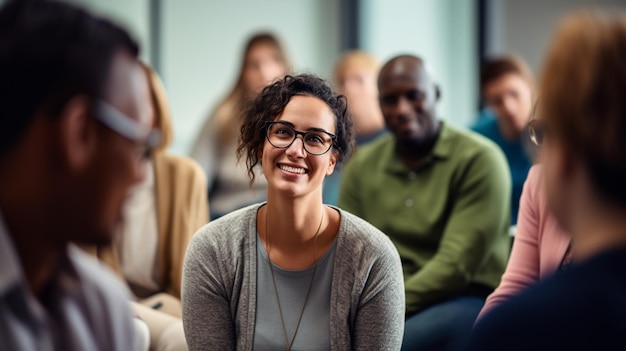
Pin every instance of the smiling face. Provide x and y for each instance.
(292, 171)
(407, 100)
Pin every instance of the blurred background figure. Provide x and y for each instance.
(215, 148)
(75, 128)
(506, 85)
(541, 247)
(160, 216)
(583, 115)
(355, 77)
(442, 195)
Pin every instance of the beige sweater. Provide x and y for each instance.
(182, 208)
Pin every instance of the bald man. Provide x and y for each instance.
(442, 195)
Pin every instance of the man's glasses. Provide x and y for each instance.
(316, 141)
(120, 123)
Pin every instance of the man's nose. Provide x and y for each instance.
(403, 106)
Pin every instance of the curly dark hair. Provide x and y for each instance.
(271, 103)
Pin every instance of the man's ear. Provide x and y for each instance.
(437, 93)
(77, 135)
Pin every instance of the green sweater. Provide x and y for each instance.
(449, 218)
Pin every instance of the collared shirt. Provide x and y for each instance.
(448, 218)
(83, 308)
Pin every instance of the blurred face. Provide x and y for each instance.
(358, 84)
(292, 171)
(262, 66)
(407, 101)
(510, 97)
(119, 161)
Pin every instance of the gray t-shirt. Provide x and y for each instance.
(219, 294)
(292, 286)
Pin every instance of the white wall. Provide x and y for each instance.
(203, 41)
(442, 32)
(134, 15)
(527, 26)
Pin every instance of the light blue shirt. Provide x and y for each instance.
(84, 308)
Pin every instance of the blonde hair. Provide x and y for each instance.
(351, 58)
(582, 96)
(162, 114)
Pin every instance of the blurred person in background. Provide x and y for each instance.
(293, 273)
(506, 85)
(160, 215)
(583, 117)
(215, 148)
(442, 195)
(76, 126)
(541, 247)
(355, 77)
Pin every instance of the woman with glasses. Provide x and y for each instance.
(541, 246)
(292, 273)
(583, 112)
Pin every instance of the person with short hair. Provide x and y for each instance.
(506, 86)
(582, 114)
(355, 77)
(442, 195)
(293, 273)
(76, 130)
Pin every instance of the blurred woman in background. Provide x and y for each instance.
(215, 148)
(160, 216)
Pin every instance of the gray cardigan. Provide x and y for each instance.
(219, 286)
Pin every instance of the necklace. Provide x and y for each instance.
(288, 343)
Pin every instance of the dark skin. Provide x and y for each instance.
(407, 99)
(49, 177)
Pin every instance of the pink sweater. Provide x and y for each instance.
(539, 247)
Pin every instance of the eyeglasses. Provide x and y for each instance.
(120, 123)
(316, 141)
(536, 131)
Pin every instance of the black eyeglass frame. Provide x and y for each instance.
(269, 124)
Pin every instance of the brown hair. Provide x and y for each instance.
(582, 96)
(496, 67)
(271, 103)
(231, 106)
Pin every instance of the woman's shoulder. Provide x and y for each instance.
(360, 236)
(228, 230)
